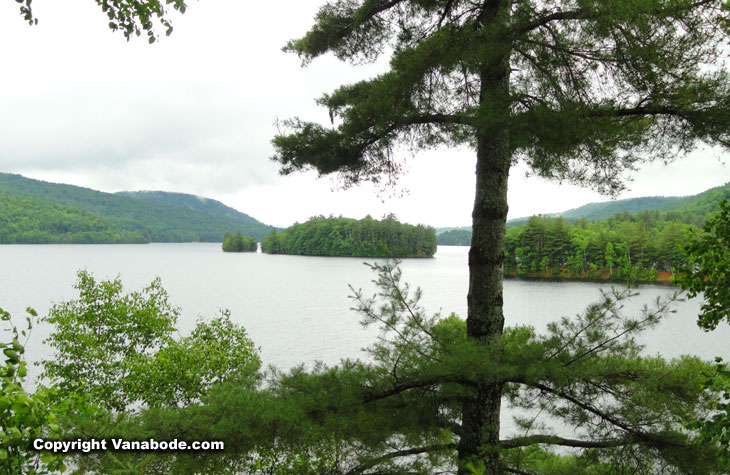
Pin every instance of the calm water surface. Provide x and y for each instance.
(296, 308)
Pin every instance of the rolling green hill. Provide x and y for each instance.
(153, 216)
(688, 209)
(197, 203)
(698, 205)
(601, 211)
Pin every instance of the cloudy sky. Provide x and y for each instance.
(196, 112)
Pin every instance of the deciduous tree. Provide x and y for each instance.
(132, 17)
(708, 268)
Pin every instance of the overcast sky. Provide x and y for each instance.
(195, 113)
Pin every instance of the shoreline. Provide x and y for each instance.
(665, 279)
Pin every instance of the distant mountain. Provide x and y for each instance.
(147, 216)
(196, 203)
(701, 204)
(601, 211)
(689, 209)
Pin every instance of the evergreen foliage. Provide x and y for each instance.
(121, 217)
(239, 243)
(624, 247)
(708, 273)
(368, 237)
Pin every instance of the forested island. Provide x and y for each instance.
(237, 242)
(344, 237)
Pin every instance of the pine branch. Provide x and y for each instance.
(555, 440)
(400, 453)
(544, 20)
(636, 433)
(416, 384)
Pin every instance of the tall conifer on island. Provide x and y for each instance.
(579, 90)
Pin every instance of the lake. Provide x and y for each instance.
(296, 308)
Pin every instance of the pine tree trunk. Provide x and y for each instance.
(485, 320)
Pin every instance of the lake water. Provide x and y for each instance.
(296, 308)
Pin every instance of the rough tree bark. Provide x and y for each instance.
(485, 316)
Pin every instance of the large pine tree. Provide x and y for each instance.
(580, 90)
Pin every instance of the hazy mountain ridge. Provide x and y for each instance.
(157, 216)
(700, 204)
(605, 210)
(193, 202)
(681, 207)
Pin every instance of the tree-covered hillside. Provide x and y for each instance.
(198, 203)
(368, 237)
(600, 211)
(700, 205)
(31, 221)
(155, 216)
(692, 210)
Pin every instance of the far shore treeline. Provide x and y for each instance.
(367, 237)
(641, 246)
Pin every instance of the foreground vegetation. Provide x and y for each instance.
(367, 237)
(116, 354)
